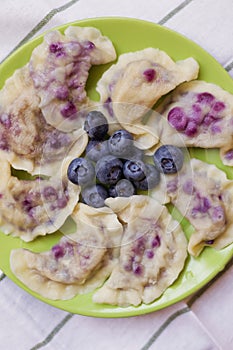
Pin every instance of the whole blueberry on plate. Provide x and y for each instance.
(151, 179)
(81, 171)
(95, 195)
(121, 143)
(97, 149)
(109, 170)
(123, 188)
(168, 159)
(96, 125)
(134, 170)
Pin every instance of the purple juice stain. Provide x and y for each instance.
(5, 120)
(191, 128)
(69, 110)
(215, 128)
(177, 119)
(88, 45)
(3, 142)
(196, 108)
(150, 254)
(149, 74)
(218, 106)
(50, 193)
(62, 93)
(27, 205)
(57, 139)
(188, 187)
(203, 205)
(58, 251)
(208, 119)
(218, 214)
(108, 106)
(172, 186)
(128, 267)
(139, 247)
(138, 269)
(156, 242)
(205, 98)
(57, 49)
(197, 115)
(229, 155)
(209, 242)
(69, 248)
(62, 202)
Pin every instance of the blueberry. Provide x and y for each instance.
(123, 188)
(96, 125)
(120, 143)
(112, 191)
(109, 170)
(96, 149)
(95, 195)
(168, 159)
(151, 179)
(81, 171)
(134, 170)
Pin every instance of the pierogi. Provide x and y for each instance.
(35, 207)
(135, 83)
(79, 263)
(60, 67)
(206, 200)
(197, 114)
(153, 252)
(27, 141)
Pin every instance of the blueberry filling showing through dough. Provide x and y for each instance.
(149, 74)
(206, 112)
(143, 247)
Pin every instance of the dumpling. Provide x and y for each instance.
(34, 207)
(136, 82)
(27, 141)
(153, 252)
(206, 200)
(79, 263)
(103, 219)
(60, 67)
(198, 114)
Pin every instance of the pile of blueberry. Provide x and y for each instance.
(114, 167)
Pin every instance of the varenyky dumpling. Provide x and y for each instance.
(206, 200)
(35, 207)
(135, 83)
(152, 254)
(60, 67)
(197, 114)
(79, 263)
(27, 141)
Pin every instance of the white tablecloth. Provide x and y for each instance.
(201, 322)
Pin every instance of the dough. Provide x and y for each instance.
(206, 200)
(153, 252)
(79, 263)
(60, 67)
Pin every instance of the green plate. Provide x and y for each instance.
(130, 35)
